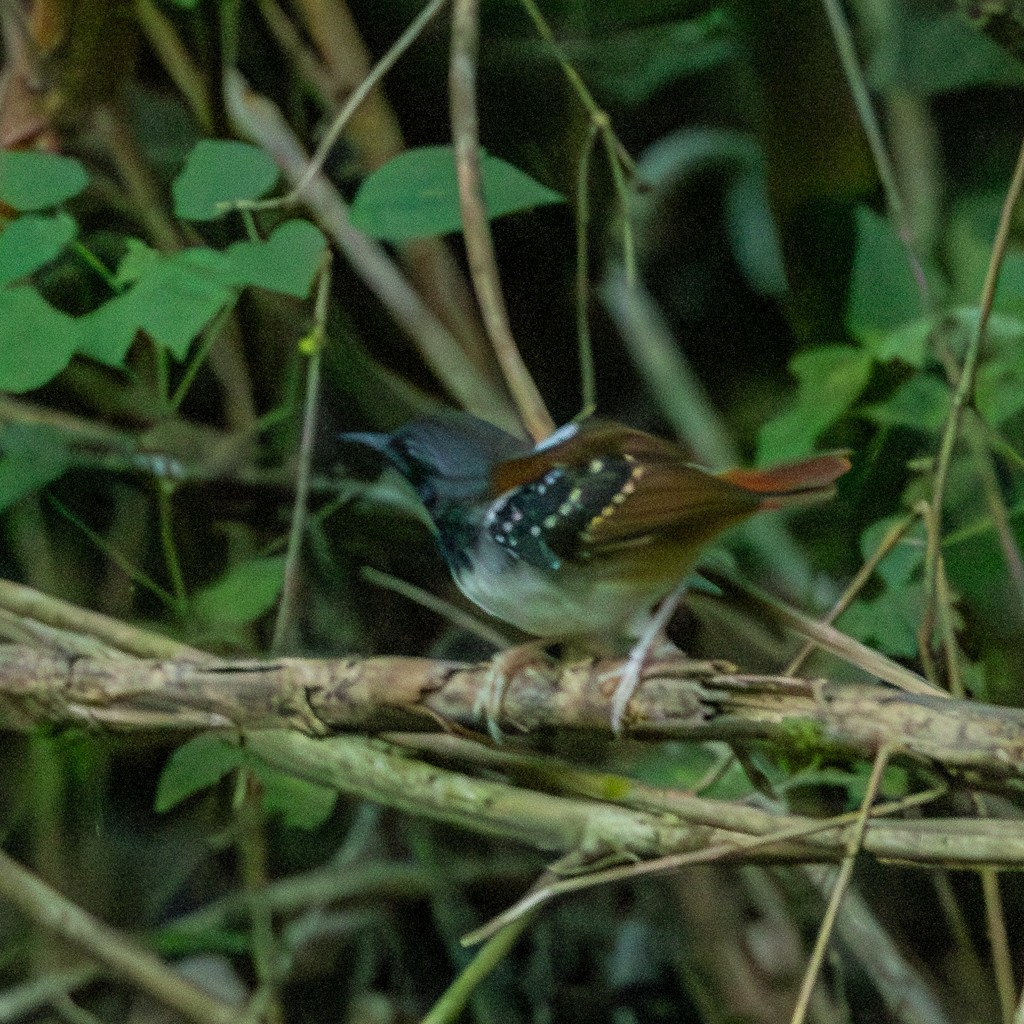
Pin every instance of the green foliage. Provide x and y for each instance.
(889, 620)
(218, 173)
(197, 764)
(34, 181)
(36, 340)
(633, 62)
(244, 593)
(31, 241)
(936, 52)
(920, 403)
(830, 379)
(205, 759)
(171, 297)
(999, 389)
(298, 803)
(883, 318)
(416, 194)
(883, 293)
(30, 457)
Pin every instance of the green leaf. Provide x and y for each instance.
(173, 297)
(33, 456)
(999, 387)
(221, 171)
(888, 622)
(196, 765)
(107, 332)
(883, 292)
(301, 804)
(286, 262)
(909, 343)
(176, 296)
(830, 379)
(920, 403)
(36, 340)
(632, 63)
(139, 259)
(416, 194)
(243, 593)
(928, 53)
(31, 241)
(35, 181)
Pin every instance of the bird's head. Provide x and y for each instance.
(448, 458)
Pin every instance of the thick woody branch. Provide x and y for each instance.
(679, 699)
(288, 710)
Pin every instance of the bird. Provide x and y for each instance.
(574, 539)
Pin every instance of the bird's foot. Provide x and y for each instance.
(630, 675)
(489, 704)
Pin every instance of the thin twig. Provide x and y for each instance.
(451, 1004)
(63, 615)
(49, 909)
(379, 70)
(842, 883)
(164, 492)
(256, 118)
(995, 923)
(717, 852)
(965, 390)
(944, 602)
(999, 942)
(137, 576)
(830, 639)
(588, 382)
(847, 51)
(177, 61)
(997, 507)
(483, 264)
(313, 345)
(296, 53)
(619, 161)
(893, 536)
(452, 613)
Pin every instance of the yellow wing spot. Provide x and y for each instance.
(617, 499)
(596, 465)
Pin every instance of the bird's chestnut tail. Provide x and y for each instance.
(792, 482)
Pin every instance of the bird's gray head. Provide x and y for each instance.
(447, 458)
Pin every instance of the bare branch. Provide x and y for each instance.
(678, 699)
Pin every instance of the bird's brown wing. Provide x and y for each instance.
(618, 487)
(607, 486)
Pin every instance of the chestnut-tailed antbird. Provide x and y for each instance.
(577, 537)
